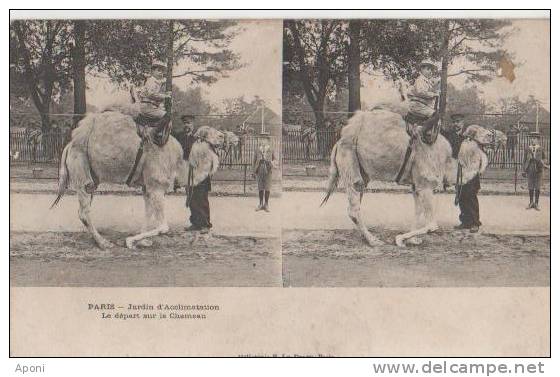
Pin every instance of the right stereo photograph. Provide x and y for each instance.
(416, 153)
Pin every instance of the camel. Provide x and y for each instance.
(103, 148)
(372, 147)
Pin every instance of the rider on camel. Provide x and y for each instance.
(423, 95)
(152, 98)
(422, 114)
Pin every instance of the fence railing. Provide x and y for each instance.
(295, 146)
(302, 146)
(513, 153)
(37, 147)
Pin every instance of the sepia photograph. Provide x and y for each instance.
(145, 152)
(416, 152)
(279, 183)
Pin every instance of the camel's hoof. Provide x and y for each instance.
(145, 243)
(130, 243)
(432, 228)
(373, 241)
(399, 240)
(105, 245)
(414, 241)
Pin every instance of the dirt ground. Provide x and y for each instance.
(175, 260)
(321, 248)
(447, 258)
(51, 248)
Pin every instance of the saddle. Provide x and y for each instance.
(152, 129)
(430, 126)
(430, 132)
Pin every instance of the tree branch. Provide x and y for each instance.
(468, 72)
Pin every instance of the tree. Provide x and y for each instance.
(354, 59)
(465, 100)
(315, 54)
(475, 44)
(40, 53)
(314, 51)
(190, 101)
(79, 69)
(125, 49)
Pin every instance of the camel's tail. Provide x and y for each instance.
(63, 176)
(333, 176)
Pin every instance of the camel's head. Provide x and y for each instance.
(481, 135)
(230, 138)
(210, 135)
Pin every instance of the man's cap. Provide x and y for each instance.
(457, 116)
(428, 63)
(534, 134)
(158, 64)
(186, 117)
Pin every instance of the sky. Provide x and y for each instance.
(530, 44)
(259, 45)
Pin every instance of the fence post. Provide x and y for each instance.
(515, 180)
(244, 179)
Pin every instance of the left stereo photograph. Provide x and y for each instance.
(145, 153)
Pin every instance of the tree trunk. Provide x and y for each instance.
(45, 122)
(444, 68)
(354, 83)
(79, 70)
(321, 131)
(169, 80)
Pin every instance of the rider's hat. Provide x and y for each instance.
(187, 117)
(428, 63)
(457, 116)
(157, 64)
(534, 134)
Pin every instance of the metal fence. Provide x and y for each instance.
(513, 153)
(301, 146)
(32, 146)
(37, 147)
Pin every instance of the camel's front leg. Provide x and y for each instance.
(84, 211)
(354, 202)
(425, 222)
(154, 205)
(148, 218)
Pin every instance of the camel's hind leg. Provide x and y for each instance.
(425, 217)
(154, 201)
(85, 199)
(354, 203)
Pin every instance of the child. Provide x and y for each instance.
(262, 170)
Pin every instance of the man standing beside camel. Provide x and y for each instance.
(471, 166)
(197, 197)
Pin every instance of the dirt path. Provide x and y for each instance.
(176, 259)
(335, 258)
(30, 212)
(500, 214)
(51, 248)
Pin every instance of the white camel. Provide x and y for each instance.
(372, 147)
(103, 148)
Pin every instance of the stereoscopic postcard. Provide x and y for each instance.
(367, 184)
